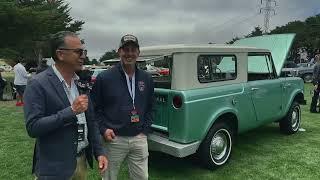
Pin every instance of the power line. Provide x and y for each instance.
(269, 7)
(232, 23)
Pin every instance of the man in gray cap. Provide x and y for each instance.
(123, 97)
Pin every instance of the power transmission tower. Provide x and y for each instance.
(269, 7)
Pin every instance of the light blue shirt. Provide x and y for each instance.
(72, 93)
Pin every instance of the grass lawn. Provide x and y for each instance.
(263, 153)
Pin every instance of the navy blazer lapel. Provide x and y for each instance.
(57, 85)
(139, 82)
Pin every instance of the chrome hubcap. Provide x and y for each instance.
(295, 116)
(219, 145)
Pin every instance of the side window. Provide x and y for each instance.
(260, 67)
(216, 68)
(160, 70)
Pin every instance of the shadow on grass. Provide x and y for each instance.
(263, 136)
(166, 166)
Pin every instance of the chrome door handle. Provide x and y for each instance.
(254, 89)
(234, 102)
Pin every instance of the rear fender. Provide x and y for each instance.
(217, 115)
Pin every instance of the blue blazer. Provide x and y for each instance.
(49, 119)
(113, 102)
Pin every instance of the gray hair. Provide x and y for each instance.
(58, 41)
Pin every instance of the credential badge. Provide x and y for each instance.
(141, 85)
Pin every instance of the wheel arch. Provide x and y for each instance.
(204, 150)
(298, 96)
(228, 117)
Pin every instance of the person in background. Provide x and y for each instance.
(312, 59)
(20, 81)
(42, 66)
(123, 98)
(3, 83)
(316, 83)
(61, 117)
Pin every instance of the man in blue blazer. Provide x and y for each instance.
(123, 97)
(60, 118)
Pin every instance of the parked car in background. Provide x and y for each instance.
(164, 71)
(212, 93)
(302, 70)
(289, 64)
(95, 72)
(87, 76)
(146, 64)
(154, 71)
(141, 64)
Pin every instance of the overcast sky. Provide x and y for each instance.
(157, 22)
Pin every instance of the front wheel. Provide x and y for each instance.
(216, 148)
(290, 124)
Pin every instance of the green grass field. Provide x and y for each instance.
(263, 153)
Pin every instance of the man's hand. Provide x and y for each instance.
(109, 135)
(316, 86)
(103, 164)
(80, 104)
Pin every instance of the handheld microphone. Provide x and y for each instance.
(84, 83)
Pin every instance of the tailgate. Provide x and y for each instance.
(161, 113)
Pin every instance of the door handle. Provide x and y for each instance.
(254, 89)
(234, 102)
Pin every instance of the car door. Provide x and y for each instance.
(265, 86)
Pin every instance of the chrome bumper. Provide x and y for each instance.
(163, 144)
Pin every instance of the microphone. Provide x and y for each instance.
(84, 83)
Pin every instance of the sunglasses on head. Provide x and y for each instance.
(79, 51)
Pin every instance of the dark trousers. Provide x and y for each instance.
(1, 94)
(315, 97)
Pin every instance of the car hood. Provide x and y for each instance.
(278, 44)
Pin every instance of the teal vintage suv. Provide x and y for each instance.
(214, 92)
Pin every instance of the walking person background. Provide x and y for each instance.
(123, 98)
(61, 119)
(3, 84)
(20, 81)
(316, 83)
(42, 66)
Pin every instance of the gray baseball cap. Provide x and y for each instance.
(129, 38)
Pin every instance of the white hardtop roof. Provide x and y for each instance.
(187, 48)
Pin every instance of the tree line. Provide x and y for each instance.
(27, 25)
(307, 35)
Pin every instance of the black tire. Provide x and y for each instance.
(290, 124)
(307, 78)
(221, 136)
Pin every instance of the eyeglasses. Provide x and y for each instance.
(80, 52)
